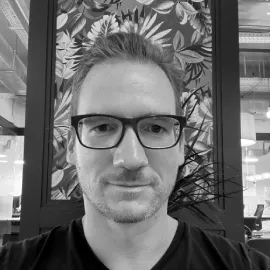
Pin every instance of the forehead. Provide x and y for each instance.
(126, 88)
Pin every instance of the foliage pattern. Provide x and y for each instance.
(183, 26)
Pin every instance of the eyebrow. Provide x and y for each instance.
(139, 115)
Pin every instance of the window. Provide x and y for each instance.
(14, 17)
(255, 104)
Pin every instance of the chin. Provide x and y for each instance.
(128, 212)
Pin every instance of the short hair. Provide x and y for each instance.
(132, 47)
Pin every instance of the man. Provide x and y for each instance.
(126, 144)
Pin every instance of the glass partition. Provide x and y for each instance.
(14, 20)
(254, 39)
(255, 128)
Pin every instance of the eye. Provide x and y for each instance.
(156, 129)
(103, 128)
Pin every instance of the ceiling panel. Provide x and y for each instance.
(24, 5)
(254, 13)
(4, 89)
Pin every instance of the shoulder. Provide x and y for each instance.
(21, 251)
(237, 252)
(23, 254)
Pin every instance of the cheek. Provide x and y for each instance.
(165, 162)
(92, 161)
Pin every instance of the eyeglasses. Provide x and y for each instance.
(101, 131)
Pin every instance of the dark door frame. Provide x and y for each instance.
(38, 215)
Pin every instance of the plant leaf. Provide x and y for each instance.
(185, 19)
(136, 15)
(191, 57)
(195, 37)
(78, 26)
(57, 177)
(72, 9)
(178, 41)
(145, 2)
(201, 147)
(167, 11)
(179, 10)
(161, 41)
(180, 60)
(180, 13)
(165, 7)
(153, 30)
(74, 19)
(62, 110)
(99, 7)
(197, 1)
(149, 23)
(159, 35)
(61, 20)
(88, 15)
(207, 42)
(189, 9)
(58, 69)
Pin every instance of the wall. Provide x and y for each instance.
(262, 126)
(12, 109)
(259, 190)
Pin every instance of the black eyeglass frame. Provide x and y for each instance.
(133, 122)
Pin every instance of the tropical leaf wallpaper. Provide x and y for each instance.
(182, 26)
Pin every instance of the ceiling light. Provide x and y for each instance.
(258, 177)
(3, 161)
(18, 162)
(266, 175)
(268, 113)
(246, 142)
(2, 156)
(250, 159)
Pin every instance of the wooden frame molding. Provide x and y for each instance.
(39, 213)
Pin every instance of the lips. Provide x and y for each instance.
(129, 185)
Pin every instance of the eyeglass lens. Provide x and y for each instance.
(104, 132)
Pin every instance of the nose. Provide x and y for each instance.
(130, 153)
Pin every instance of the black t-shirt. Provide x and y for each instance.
(65, 247)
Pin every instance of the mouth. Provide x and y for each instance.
(123, 186)
(129, 185)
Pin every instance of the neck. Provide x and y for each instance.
(132, 241)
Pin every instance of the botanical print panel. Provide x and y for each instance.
(184, 27)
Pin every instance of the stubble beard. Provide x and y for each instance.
(125, 216)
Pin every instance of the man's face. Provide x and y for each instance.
(126, 89)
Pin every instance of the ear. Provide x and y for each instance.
(71, 156)
(182, 149)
